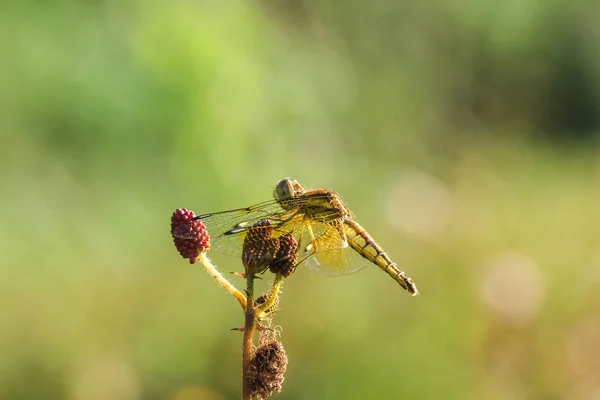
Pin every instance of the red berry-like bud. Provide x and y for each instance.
(190, 236)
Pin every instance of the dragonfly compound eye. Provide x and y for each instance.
(284, 189)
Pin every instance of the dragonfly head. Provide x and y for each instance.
(287, 189)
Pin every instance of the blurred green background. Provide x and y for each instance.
(464, 135)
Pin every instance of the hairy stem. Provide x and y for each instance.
(212, 270)
(249, 328)
(260, 310)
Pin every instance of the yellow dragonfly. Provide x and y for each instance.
(329, 241)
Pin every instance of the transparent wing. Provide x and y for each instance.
(329, 253)
(227, 229)
(322, 241)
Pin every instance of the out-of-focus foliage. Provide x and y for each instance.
(464, 135)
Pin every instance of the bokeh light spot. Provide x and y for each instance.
(513, 286)
(419, 204)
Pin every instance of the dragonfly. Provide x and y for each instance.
(330, 241)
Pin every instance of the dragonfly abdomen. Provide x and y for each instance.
(360, 240)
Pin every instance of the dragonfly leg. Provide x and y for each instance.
(313, 240)
(312, 245)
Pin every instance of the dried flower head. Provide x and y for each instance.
(263, 299)
(266, 370)
(260, 247)
(286, 257)
(190, 236)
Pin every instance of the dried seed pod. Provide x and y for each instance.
(263, 299)
(266, 370)
(260, 248)
(286, 257)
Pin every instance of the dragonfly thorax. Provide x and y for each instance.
(319, 204)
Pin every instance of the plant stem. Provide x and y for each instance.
(249, 328)
(212, 270)
(260, 310)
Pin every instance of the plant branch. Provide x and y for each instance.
(260, 310)
(212, 270)
(249, 328)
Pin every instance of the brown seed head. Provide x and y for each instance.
(266, 370)
(260, 247)
(190, 236)
(286, 257)
(263, 299)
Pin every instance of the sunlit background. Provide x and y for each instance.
(464, 135)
